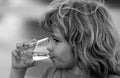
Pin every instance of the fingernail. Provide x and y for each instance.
(26, 46)
(34, 40)
(18, 45)
(25, 43)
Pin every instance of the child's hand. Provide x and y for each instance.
(22, 55)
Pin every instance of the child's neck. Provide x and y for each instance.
(75, 70)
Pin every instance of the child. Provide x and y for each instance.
(82, 42)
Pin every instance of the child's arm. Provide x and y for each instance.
(15, 73)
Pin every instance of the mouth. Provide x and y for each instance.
(52, 57)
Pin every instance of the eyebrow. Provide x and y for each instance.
(54, 36)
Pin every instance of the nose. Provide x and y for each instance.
(49, 47)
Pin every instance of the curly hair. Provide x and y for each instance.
(88, 27)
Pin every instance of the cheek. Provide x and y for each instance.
(64, 54)
(64, 59)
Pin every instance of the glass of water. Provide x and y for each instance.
(40, 51)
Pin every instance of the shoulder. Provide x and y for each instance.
(48, 71)
(113, 76)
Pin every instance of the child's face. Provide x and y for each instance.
(60, 50)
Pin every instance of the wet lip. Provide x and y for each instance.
(52, 57)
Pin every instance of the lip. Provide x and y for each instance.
(52, 57)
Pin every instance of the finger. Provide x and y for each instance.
(18, 45)
(32, 44)
(30, 62)
(29, 54)
(21, 52)
(29, 44)
(15, 53)
(26, 45)
(34, 40)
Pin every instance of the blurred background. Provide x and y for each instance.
(19, 22)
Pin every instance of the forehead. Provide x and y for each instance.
(57, 32)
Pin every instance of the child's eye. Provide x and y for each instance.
(56, 40)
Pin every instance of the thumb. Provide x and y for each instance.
(31, 62)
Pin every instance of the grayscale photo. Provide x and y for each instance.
(60, 38)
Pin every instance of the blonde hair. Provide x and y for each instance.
(89, 28)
